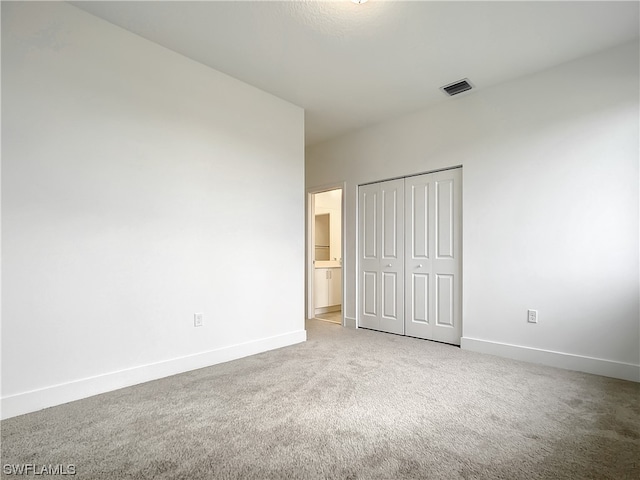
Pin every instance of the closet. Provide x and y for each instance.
(409, 279)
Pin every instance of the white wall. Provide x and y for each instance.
(550, 207)
(139, 187)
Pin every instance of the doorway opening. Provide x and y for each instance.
(324, 255)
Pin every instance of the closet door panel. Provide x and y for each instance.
(369, 247)
(432, 260)
(444, 300)
(419, 298)
(418, 253)
(392, 256)
(381, 242)
(417, 205)
(447, 262)
(444, 218)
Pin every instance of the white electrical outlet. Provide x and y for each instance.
(532, 316)
(198, 319)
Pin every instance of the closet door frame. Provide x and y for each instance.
(457, 246)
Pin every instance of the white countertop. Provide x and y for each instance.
(327, 264)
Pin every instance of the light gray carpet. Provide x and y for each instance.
(347, 404)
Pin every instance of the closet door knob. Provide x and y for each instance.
(419, 265)
(389, 265)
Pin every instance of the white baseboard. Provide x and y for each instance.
(34, 400)
(350, 322)
(330, 309)
(597, 366)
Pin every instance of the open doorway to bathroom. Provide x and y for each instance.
(324, 252)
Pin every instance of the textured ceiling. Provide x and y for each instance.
(354, 65)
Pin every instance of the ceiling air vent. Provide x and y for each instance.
(457, 87)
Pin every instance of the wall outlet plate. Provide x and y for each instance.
(198, 319)
(532, 316)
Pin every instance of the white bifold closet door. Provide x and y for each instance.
(410, 249)
(432, 256)
(381, 207)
